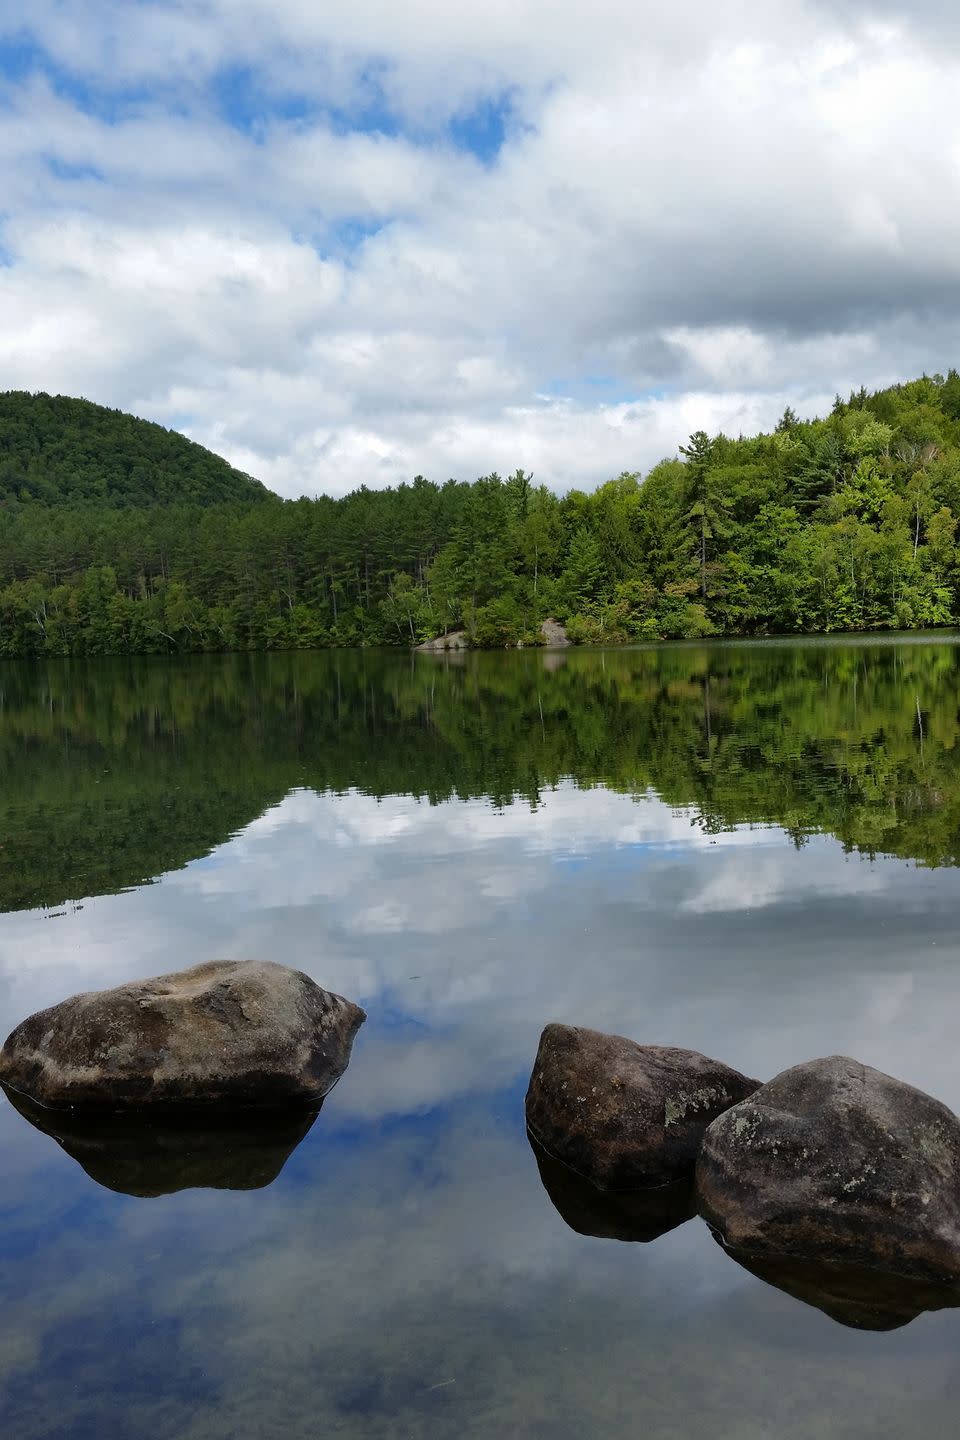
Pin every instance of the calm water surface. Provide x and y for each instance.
(746, 849)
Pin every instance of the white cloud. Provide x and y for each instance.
(695, 218)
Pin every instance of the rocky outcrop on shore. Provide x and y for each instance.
(453, 640)
(554, 635)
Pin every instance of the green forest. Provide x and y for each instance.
(117, 536)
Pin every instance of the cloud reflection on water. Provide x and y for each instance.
(597, 909)
(406, 1272)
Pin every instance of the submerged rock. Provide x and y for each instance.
(229, 1032)
(637, 1215)
(158, 1153)
(854, 1295)
(833, 1162)
(622, 1115)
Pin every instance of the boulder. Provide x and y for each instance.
(554, 635)
(453, 640)
(635, 1215)
(158, 1152)
(836, 1163)
(622, 1115)
(229, 1032)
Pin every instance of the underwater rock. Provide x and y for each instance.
(622, 1115)
(638, 1215)
(229, 1032)
(835, 1162)
(157, 1152)
(853, 1295)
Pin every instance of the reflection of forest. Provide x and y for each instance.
(115, 771)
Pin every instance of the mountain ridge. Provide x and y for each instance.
(63, 450)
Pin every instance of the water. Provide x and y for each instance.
(746, 849)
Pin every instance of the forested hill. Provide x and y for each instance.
(58, 450)
(848, 522)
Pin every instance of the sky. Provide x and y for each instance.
(349, 244)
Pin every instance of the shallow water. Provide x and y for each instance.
(746, 849)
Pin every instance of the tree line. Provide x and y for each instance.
(843, 523)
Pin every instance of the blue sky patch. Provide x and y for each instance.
(482, 131)
(64, 170)
(23, 58)
(246, 103)
(346, 236)
(20, 57)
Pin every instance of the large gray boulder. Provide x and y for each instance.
(834, 1162)
(554, 635)
(453, 640)
(229, 1032)
(622, 1115)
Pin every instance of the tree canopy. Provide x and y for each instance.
(57, 450)
(843, 523)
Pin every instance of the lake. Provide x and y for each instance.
(749, 849)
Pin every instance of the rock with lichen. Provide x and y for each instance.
(229, 1032)
(622, 1115)
(834, 1162)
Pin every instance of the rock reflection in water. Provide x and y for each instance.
(147, 1156)
(853, 1295)
(640, 1215)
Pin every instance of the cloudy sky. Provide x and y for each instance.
(345, 244)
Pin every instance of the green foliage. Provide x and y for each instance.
(118, 537)
(54, 449)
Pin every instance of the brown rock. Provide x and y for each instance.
(836, 1163)
(240, 1032)
(622, 1115)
